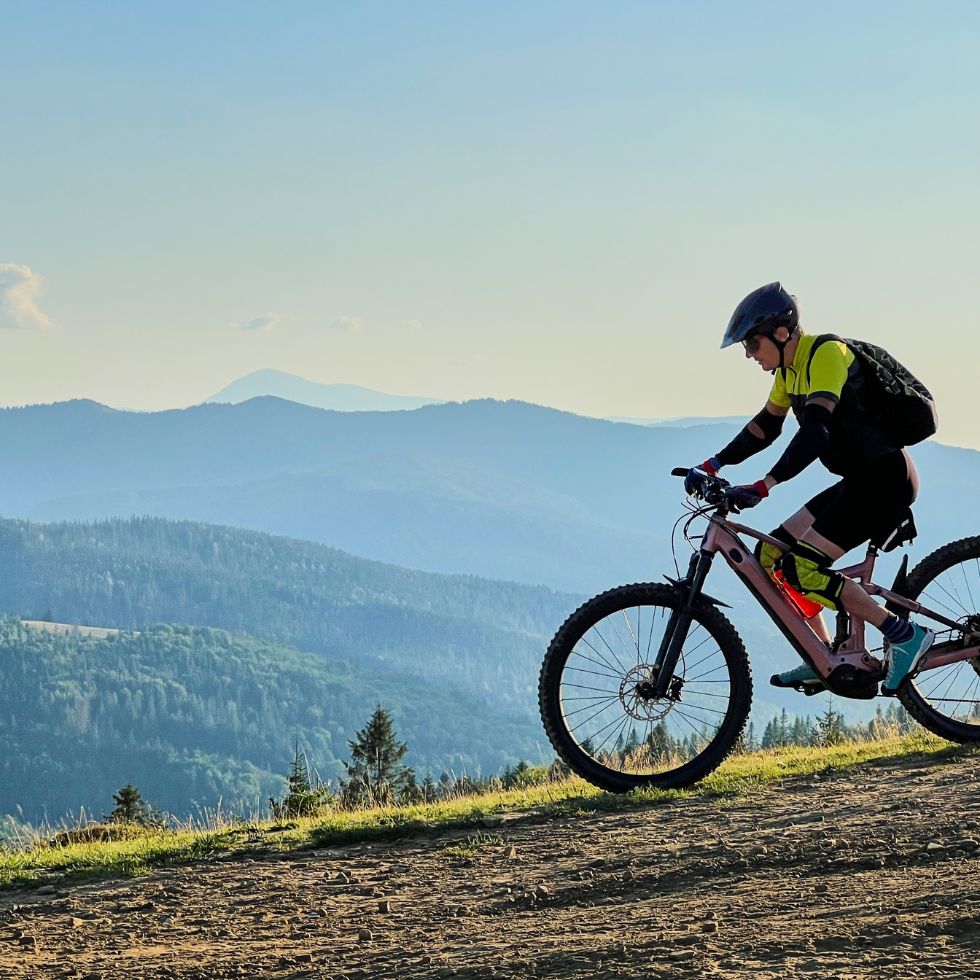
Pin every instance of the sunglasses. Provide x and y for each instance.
(751, 343)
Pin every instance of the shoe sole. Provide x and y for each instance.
(775, 681)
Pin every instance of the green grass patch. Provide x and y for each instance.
(739, 775)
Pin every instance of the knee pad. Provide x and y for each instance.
(768, 554)
(807, 569)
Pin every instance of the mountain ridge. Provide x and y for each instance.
(333, 396)
(509, 490)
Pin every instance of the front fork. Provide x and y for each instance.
(679, 623)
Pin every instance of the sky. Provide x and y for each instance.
(560, 202)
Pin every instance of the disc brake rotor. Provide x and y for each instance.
(637, 704)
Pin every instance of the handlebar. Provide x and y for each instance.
(714, 489)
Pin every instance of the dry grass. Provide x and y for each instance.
(144, 849)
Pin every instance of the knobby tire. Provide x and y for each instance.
(648, 596)
(955, 560)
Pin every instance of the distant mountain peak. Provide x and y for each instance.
(335, 397)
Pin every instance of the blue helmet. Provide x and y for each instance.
(762, 311)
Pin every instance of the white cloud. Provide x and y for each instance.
(264, 323)
(349, 324)
(19, 287)
(413, 326)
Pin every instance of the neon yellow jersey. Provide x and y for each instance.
(832, 367)
(834, 373)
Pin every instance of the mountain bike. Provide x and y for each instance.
(649, 684)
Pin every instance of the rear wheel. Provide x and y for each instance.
(946, 700)
(597, 703)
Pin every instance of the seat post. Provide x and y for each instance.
(870, 557)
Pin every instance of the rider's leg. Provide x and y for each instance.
(790, 531)
(871, 504)
(819, 626)
(852, 597)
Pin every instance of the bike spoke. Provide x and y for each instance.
(595, 629)
(605, 662)
(653, 620)
(580, 687)
(690, 667)
(594, 673)
(969, 591)
(589, 707)
(608, 705)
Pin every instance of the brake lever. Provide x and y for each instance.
(714, 491)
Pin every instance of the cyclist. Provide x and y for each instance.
(878, 479)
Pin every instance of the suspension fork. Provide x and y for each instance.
(679, 622)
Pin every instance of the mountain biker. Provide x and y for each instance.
(878, 479)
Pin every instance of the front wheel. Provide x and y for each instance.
(596, 698)
(946, 700)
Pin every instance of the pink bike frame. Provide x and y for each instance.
(721, 538)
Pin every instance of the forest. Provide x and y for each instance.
(484, 636)
(194, 716)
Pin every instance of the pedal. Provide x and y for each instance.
(814, 687)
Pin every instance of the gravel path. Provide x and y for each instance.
(870, 873)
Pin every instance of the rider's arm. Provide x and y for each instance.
(807, 445)
(760, 432)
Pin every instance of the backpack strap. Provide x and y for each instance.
(818, 342)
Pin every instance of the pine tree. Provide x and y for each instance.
(829, 729)
(660, 744)
(428, 790)
(558, 770)
(132, 808)
(375, 775)
(517, 776)
(305, 794)
(801, 731)
(769, 734)
(411, 791)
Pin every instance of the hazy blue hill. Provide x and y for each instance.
(508, 490)
(336, 397)
(501, 489)
(683, 422)
(194, 716)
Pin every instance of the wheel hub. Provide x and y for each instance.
(637, 694)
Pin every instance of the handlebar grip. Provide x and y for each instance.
(679, 471)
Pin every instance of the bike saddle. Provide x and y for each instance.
(905, 532)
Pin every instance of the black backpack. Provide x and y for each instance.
(898, 401)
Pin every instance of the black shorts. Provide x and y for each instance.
(869, 503)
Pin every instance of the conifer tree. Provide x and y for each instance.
(305, 794)
(829, 729)
(517, 775)
(132, 808)
(660, 743)
(558, 770)
(375, 774)
(429, 791)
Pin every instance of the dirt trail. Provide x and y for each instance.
(794, 881)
